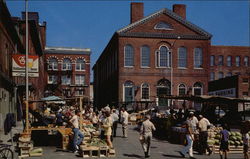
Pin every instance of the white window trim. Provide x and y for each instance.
(124, 57)
(201, 59)
(179, 86)
(81, 70)
(80, 80)
(148, 92)
(51, 82)
(197, 87)
(123, 85)
(157, 59)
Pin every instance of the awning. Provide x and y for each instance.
(53, 99)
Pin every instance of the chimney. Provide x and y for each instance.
(136, 12)
(31, 16)
(180, 9)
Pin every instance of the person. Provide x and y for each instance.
(193, 121)
(189, 137)
(203, 125)
(224, 148)
(245, 138)
(124, 123)
(59, 118)
(78, 136)
(146, 135)
(101, 121)
(115, 119)
(94, 119)
(107, 124)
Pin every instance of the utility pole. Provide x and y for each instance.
(26, 67)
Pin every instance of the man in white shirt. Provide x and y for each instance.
(78, 136)
(124, 123)
(203, 135)
(115, 119)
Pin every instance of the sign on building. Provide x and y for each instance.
(18, 65)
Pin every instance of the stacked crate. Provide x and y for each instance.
(24, 145)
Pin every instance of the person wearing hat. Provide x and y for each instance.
(146, 135)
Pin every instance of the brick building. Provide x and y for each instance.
(161, 54)
(12, 42)
(67, 72)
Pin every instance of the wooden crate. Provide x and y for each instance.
(103, 151)
(91, 151)
(111, 153)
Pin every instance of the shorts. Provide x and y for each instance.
(224, 146)
(245, 148)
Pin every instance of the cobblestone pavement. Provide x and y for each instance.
(130, 148)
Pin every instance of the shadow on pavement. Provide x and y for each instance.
(172, 156)
(132, 155)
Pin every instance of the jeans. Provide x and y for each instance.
(189, 147)
(78, 137)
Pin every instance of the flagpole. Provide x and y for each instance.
(26, 67)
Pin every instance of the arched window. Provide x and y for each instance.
(80, 65)
(246, 61)
(237, 61)
(163, 57)
(221, 61)
(182, 89)
(197, 88)
(145, 56)
(212, 76)
(66, 65)
(182, 57)
(144, 91)
(198, 58)
(52, 64)
(129, 92)
(163, 89)
(163, 26)
(229, 61)
(221, 75)
(128, 55)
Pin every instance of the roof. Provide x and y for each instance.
(173, 15)
(67, 50)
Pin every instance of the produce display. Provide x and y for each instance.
(96, 142)
(235, 138)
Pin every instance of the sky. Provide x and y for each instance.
(91, 24)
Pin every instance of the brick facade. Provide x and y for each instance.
(67, 90)
(111, 74)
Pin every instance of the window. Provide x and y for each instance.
(79, 92)
(221, 61)
(198, 58)
(129, 56)
(163, 25)
(246, 61)
(67, 92)
(80, 65)
(221, 75)
(145, 91)
(52, 64)
(212, 60)
(80, 80)
(237, 61)
(129, 91)
(245, 80)
(163, 89)
(66, 65)
(182, 57)
(197, 88)
(229, 74)
(212, 76)
(182, 89)
(229, 61)
(145, 56)
(163, 59)
(66, 80)
(52, 79)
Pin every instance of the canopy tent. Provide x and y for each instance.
(53, 99)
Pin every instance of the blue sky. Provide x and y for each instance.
(91, 24)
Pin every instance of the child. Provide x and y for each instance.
(245, 138)
(224, 141)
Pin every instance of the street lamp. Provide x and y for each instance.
(171, 71)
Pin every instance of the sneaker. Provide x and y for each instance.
(77, 147)
(76, 152)
(182, 155)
